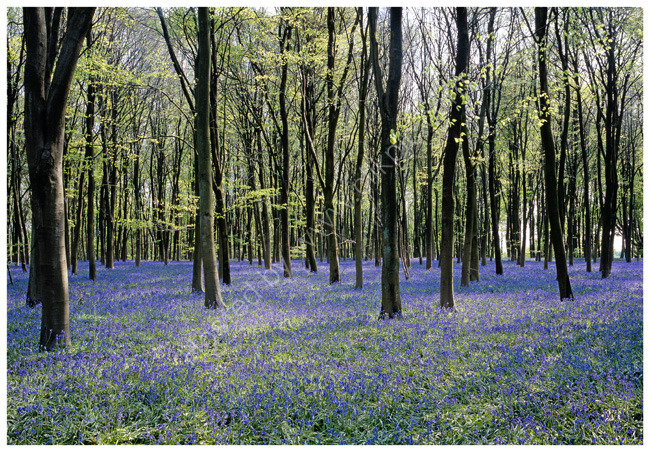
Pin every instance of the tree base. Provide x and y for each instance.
(215, 304)
(31, 303)
(383, 315)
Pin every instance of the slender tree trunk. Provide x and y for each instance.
(522, 250)
(217, 181)
(469, 271)
(571, 216)
(630, 213)
(358, 183)
(492, 122)
(454, 138)
(212, 288)
(552, 207)
(609, 207)
(77, 224)
(197, 259)
(266, 221)
(391, 303)
(286, 164)
(562, 51)
(428, 234)
(90, 165)
(486, 218)
(138, 208)
(308, 116)
(112, 187)
(474, 269)
(328, 188)
(470, 207)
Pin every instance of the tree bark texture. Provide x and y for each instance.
(45, 102)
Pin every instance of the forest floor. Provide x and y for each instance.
(299, 361)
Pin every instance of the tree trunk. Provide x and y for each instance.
(358, 183)
(523, 143)
(492, 122)
(469, 271)
(470, 206)
(44, 134)
(552, 207)
(88, 167)
(209, 258)
(307, 106)
(286, 164)
(562, 52)
(609, 207)
(454, 139)
(217, 181)
(112, 187)
(77, 224)
(89, 156)
(266, 222)
(473, 271)
(391, 304)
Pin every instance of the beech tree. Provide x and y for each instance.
(391, 305)
(358, 182)
(549, 157)
(206, 208)
(454, 140)
(49, 68)
(493, 99)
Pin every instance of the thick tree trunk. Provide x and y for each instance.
(44, 134)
